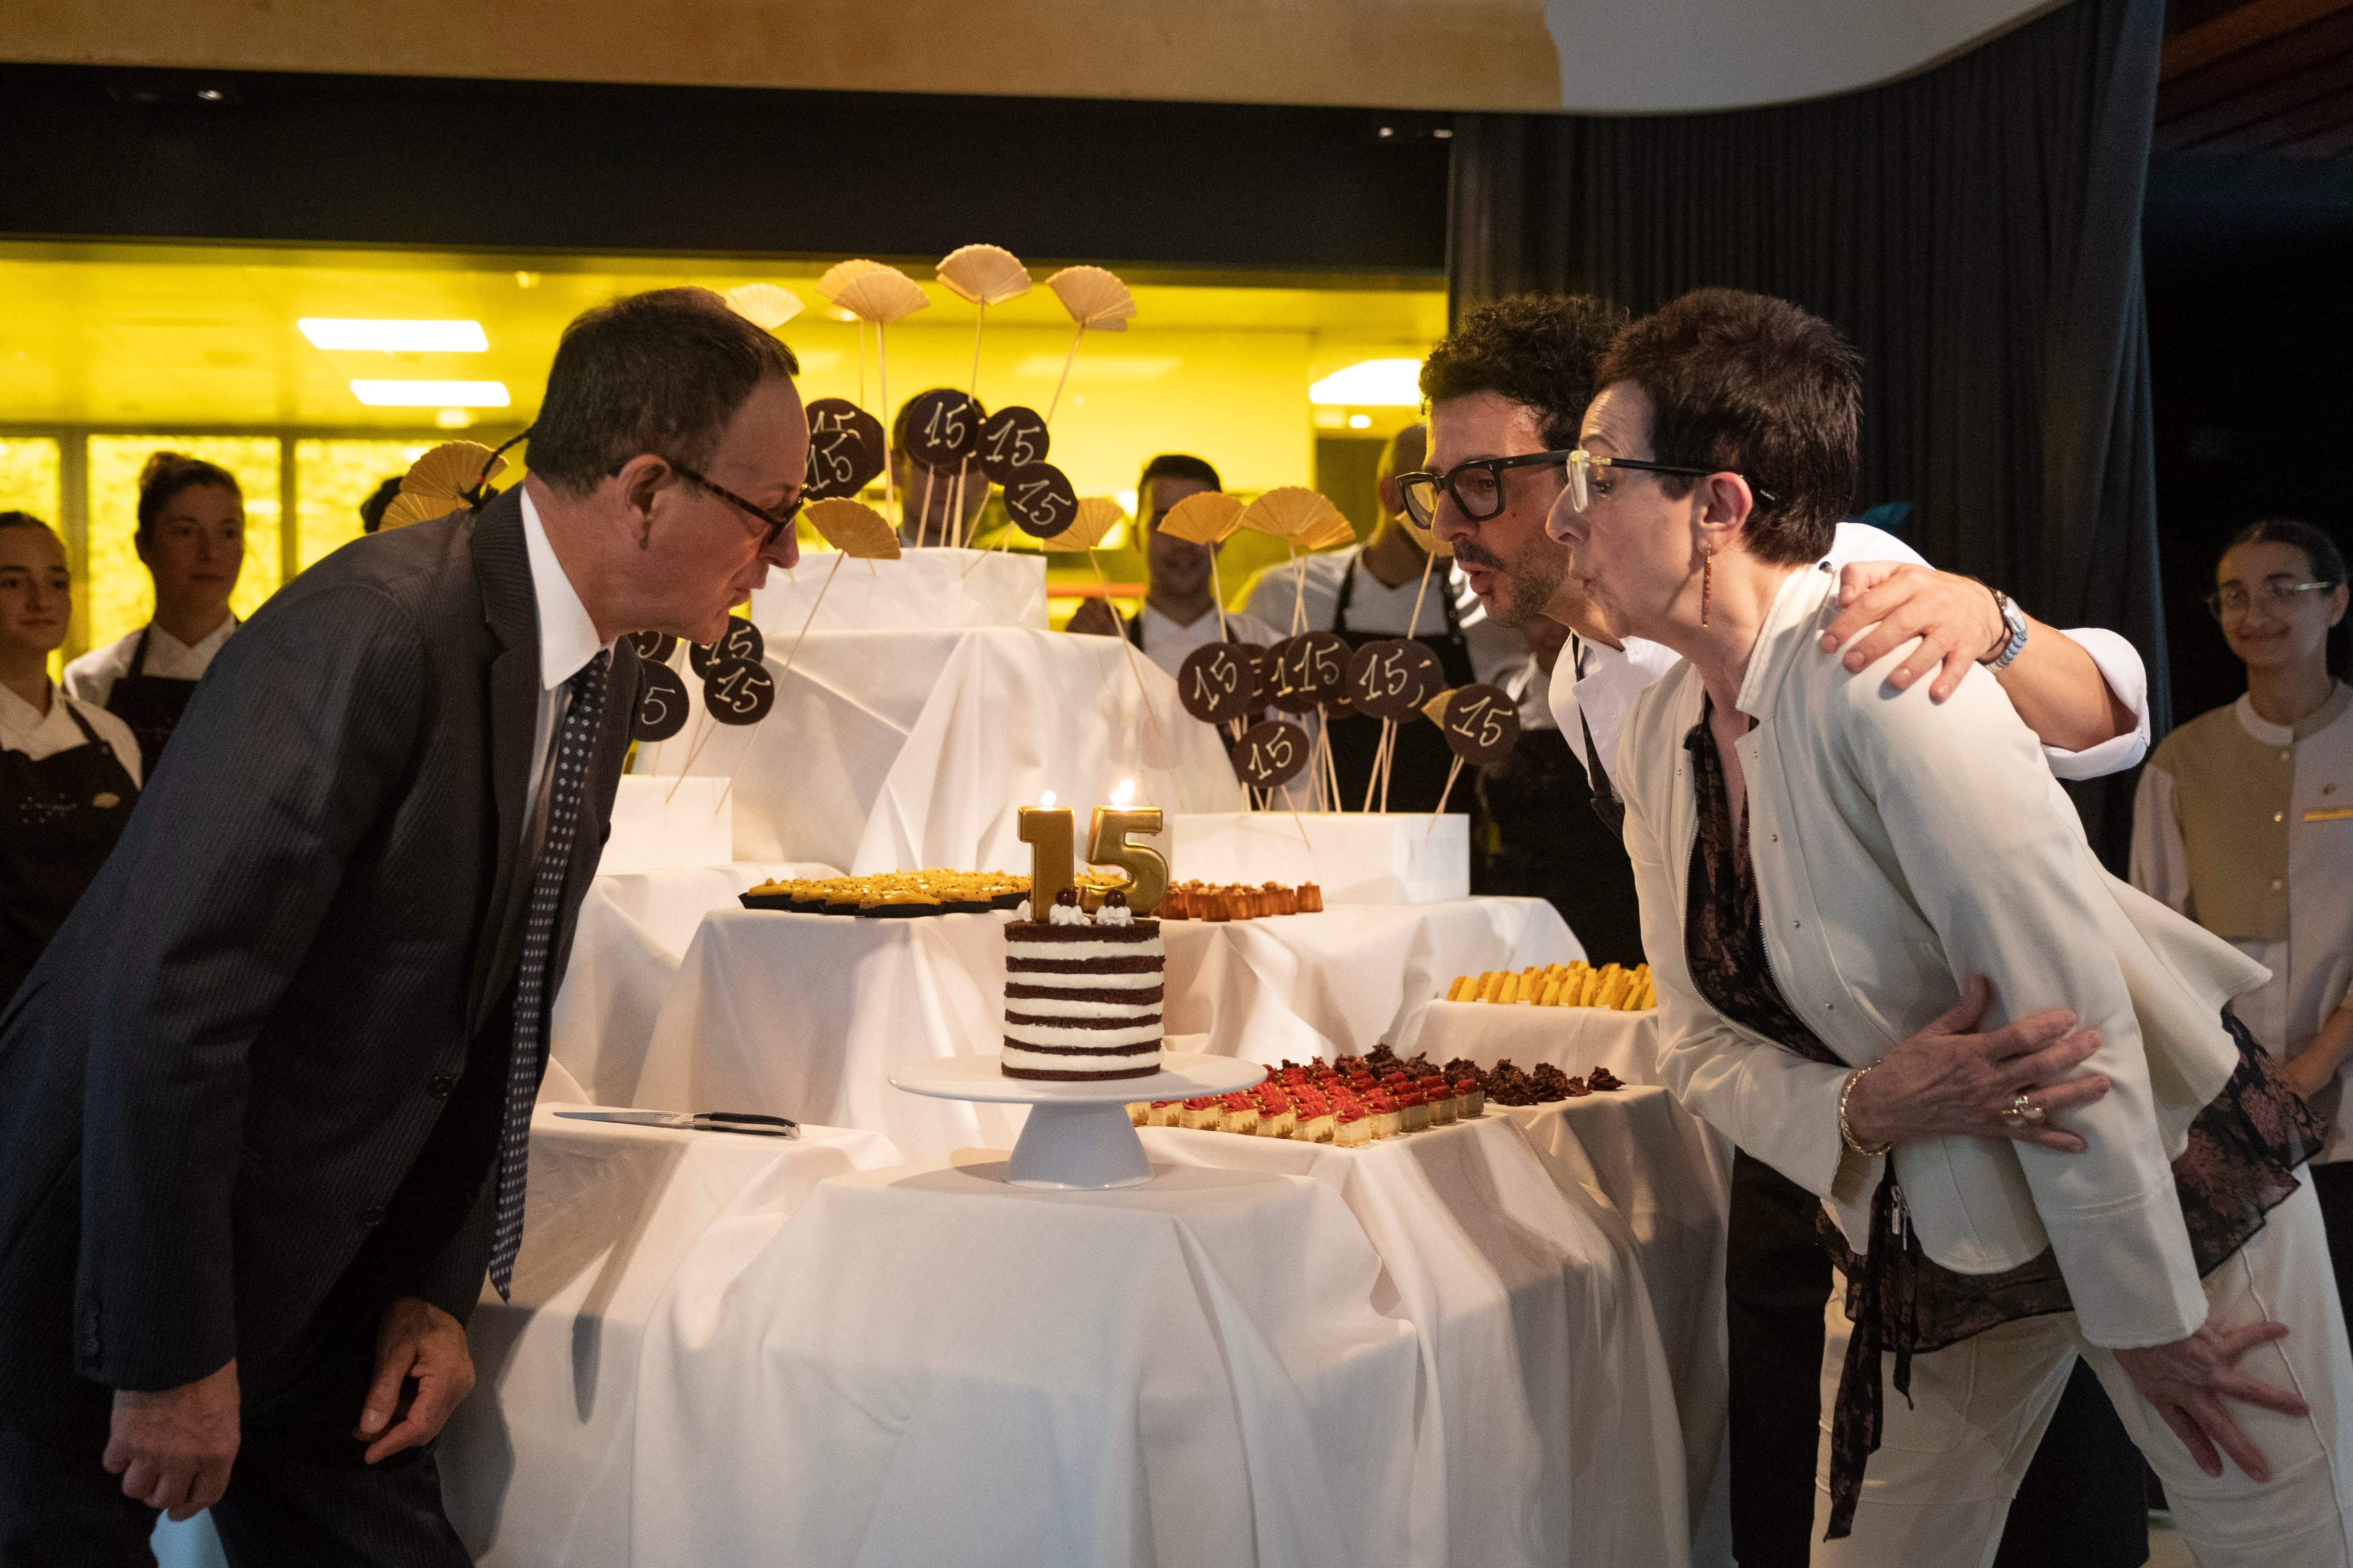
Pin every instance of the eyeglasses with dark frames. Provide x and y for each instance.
(777, 521)
(1476, 487)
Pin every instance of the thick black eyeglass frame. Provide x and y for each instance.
(778, 522)
(1442, 485)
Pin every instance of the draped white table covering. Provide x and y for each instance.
(1573, 1040)
(888, 750)
(927, 1366)
(1546, 1431)
(805, 1015)
(537, 1466)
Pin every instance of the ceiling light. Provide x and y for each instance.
(431, 393)
(452, 419)
(1372, 383)
(395, 336)
(1360, 421)
(526, 279)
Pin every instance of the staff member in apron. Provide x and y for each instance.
(69, 770)
(192, 538)
(1180, 607)
(2243, 822)
(1370, 591)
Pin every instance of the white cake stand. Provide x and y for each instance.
(1078, 1134)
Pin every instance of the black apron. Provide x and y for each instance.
(60, 817)
(1417, 771)
(149, 704)
(1539, 838)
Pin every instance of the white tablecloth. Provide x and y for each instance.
(537, 1465)
(1664, 1175)
(927, 1366)
(634, 928)
(1573, 1040)
(1546, 1431)
(805, 1016)
(888, 750)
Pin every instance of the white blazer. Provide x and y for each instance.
(1901, 846)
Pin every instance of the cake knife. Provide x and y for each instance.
(695, 1121)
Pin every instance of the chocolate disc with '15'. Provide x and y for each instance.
(942, 429)
(738, 691)
(1482, 725)
(1218, 683)
(1271, 753)
(661, 704)
(1039, 500)
(1310, 671)
(1392, 678)
(653, 647)
(742, 640)
(1011, 439)
(845, 447)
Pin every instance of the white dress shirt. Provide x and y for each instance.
(1597, 686)
(1276, 594)
(568, 641)
(91, 677)
(1168, 643)
(24, 728)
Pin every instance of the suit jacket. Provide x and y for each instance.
(278, 1021)
(1900, 847)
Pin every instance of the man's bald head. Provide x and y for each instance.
(1405, 454)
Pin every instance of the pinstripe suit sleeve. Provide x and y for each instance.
(293, 753)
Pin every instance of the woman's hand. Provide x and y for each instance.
(2312, 1069)
(1955, 620)
(1946, 1080)
(2187, 1380)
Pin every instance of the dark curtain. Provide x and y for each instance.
(1974, 229)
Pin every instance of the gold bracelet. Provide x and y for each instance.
(1846, 1129)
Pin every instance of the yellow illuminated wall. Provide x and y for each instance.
(331, 479)
(29, 482)
(122, 595)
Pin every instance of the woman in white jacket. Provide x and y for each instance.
(1826, 865)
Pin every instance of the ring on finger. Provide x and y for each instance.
(2022, 1112)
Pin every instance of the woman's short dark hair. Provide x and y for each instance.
(165, 474)
(2321, 558)
(1755, 385)
(1540, 350)
(661, 372)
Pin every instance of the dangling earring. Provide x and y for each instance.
(1707, 583)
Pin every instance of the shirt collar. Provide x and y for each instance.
(21, 715)
(203, 647)
(567, 637)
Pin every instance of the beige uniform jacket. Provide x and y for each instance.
(1901, 846)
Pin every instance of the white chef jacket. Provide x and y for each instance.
(1168, 643)
(24, 728)
(91, 677)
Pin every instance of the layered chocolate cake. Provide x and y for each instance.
(1082, 994)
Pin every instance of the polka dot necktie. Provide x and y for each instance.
(575, 744)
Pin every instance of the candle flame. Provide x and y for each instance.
(1123, 794)
(1046, 799)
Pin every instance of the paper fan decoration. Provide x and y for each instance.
(1331, 530)
(853, 528)
(1435, 708)
(1209, 518)
(837, 277)
(1097, 516)
(985, 275)
(763, 305)
(1292, 512)
(1096, 299)
(440, 481)
(882, 296)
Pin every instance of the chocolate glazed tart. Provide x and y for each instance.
(1083, 1002)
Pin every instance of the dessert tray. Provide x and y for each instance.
(1078, 1134)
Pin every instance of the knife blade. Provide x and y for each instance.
(745, 1121)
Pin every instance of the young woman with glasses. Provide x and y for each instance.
(2244, 823)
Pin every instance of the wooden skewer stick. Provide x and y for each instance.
(1389, 766)
(882, 376)
(1216, 588)
(1443, 794)
(1413, 621)
(1067, 361)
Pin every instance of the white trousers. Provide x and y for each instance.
(1938, 1489)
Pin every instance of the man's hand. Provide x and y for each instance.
(173, 1449)
(1955, 620)
(2187, 1380)
(1946, 1080)
(423, 1373)
(1095, 619)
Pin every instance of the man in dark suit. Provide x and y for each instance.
(263, 1098)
